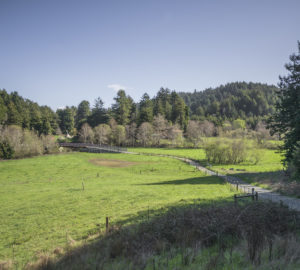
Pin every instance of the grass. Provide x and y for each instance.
(267, 173)
(270, 159)
(218, 236)
(47, 201)
(194, 153)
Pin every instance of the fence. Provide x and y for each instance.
(95, 148)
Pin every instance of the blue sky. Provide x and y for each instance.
(61, 52)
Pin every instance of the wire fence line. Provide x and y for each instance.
(95, 148)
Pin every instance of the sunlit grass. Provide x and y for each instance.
(270, 160)
(47, 200)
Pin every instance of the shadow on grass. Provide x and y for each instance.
(207, 180)
(99, 250)
(177, 229)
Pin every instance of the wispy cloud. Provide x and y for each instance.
(116, 87)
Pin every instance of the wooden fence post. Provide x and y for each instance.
(256, 196)
(237, 186)
(106, 224)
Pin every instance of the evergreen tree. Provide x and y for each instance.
(286, 120)
(35, 117)
(145, 109)
(66, 120)
(13, 115)
(98, 114)
(122, 108)
(179, 111)
(3, 112)
(83, 112)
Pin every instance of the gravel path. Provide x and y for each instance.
(264, 194)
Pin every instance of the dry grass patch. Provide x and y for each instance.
(114, 163)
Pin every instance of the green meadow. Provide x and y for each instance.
(48, 201)
(266, 173)
(270, 160)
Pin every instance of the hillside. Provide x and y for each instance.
(232, 101)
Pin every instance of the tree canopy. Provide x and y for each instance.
(286, 119)
(247, 101)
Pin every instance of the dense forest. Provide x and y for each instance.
(15, 110)
(248, 101)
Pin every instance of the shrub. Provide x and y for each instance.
(6, 151)
(49, 144)
(18, 143)
(224, 151)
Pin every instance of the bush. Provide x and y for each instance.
(226, 152)
(6, 151)
(18, 143)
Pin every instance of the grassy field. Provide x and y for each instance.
(196, 154)
(47, 201)
(267, 173)
(270, 159)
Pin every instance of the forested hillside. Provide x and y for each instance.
(248, 101)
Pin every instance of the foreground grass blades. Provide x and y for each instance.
(50, 201)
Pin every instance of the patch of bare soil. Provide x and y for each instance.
(114, 163)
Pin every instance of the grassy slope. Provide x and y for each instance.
(42, 201)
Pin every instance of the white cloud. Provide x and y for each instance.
(116, 87)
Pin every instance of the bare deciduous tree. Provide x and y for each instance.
(145, 133)
(160, 126)
(102, 134)
(86, 133)
(119, 134)
(174, 133)
(262, 133)
(131, 134)
(193, 132)
(207, 128)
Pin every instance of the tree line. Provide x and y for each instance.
(248, 101)
(15, 110)
(251, 102)
(158, 121)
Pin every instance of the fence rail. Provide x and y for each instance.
(96, 148)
